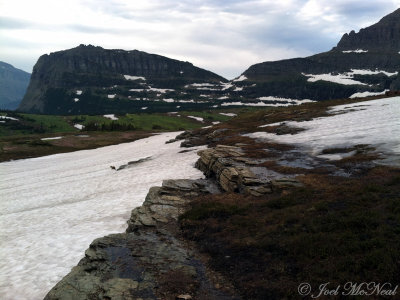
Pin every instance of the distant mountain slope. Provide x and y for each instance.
(13, 84)
(365, 62)
(92, 79)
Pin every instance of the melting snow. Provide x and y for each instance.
(345, 79)
(52, 138)
(197, 118)
(370, 72)
(8, 118)
(376, 123)
(53, 207)
(163, 91)
(241, 78)
(367, 94)
(199, 85)
(226, 86)
(79, 126)
(291, 101)
(129, 77)
(112, 117)
(228, 114)
(261, 104)
(355, 51)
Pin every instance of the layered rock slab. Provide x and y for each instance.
(149, 260)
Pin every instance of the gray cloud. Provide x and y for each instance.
(225, 36)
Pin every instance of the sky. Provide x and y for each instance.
(223, 36)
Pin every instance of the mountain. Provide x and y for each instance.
(89, 79)
(13, 84)
(362, 63)
(93, 80)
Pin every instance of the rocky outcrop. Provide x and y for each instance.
(234, 172)
(385, 35)
(149, 260)
(167, 203)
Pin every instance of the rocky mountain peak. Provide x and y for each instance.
(384, 35)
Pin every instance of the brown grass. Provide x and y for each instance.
(29, 146)
(332, 230)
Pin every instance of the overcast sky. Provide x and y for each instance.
(222, 36)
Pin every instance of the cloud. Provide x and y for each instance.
(224, 36)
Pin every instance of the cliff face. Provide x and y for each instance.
(384, 35)
(13, 84)
(374, 50)
(94, 68)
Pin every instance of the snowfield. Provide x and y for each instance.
(374, 123)
(53, 207)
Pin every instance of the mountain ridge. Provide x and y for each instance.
(118, 81)
(13, 84)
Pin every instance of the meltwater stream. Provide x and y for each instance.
(51, 208)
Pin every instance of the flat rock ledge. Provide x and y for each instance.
(234, 172)
(149, 260)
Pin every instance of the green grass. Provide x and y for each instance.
(37, 124)
(50, 123)
(211, 116)
(161, 122)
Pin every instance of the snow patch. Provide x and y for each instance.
(112, 117)
(111, 96)
(355, 51)
(370, 72)
(79, 92)
(196, 118)
(228, 114)
(225, 86)
(80, 189)
(52, 138)
(168, 100)
(367, 94)
(280, 99)
(345, 79)
(79, 126)
(76, 99)
(240, 78)
(163, 91)
(8, 118)
(349, 128)
(130, 77)
(144, 108)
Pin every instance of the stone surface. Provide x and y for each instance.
(149, 261)
(232, 170)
